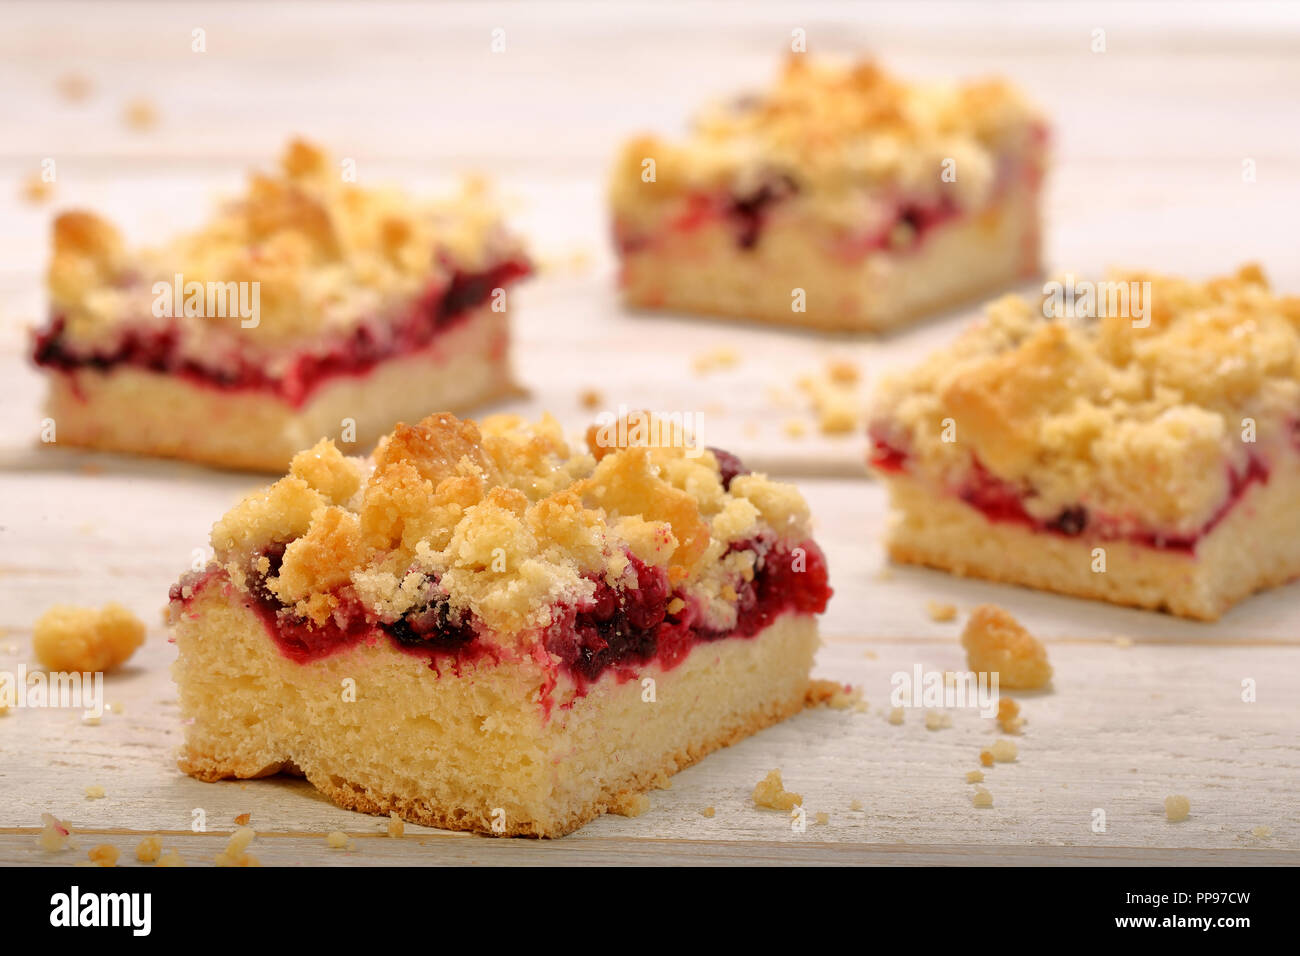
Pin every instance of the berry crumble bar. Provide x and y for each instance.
(482, 628)
(1151, 463)
(876, 199)
(307, 307)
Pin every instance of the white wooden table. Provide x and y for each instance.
(1151, 137)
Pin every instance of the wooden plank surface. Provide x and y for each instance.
(1150, 140)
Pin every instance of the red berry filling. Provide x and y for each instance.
(1000, 500)
(433, 313)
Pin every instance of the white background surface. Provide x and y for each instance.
(1150, 140)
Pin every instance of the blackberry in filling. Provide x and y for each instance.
(729, 465)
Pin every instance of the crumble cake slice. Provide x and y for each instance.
(483, 629)
(1151, 462)
(878, 200)
(307, 307)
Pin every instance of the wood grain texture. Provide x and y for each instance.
(1150, 140)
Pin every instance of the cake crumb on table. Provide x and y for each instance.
(337, 840)
(855, 804)
(937, 720)
(242, 819)
(995, 642)
(1177, 808)
(896, 716)
(986, 758)
(770, 794)
(842, 372)
(630, 804)
(104, 855)
(68, 638)
(149, 849)
(1123, 642)
(714, 360)
(36, 189)
(982, 797)
(1003, 751)
(54, 835)
(590, 398)
(95, 792)
(396, 826)
(1009, 715)
(235, 853)
(941, 611)
(975, 776)
(1262, 832)
(140, 115)
(73, 87)
(833, 694)
(171, 858)
(708, 812)
(822, 818)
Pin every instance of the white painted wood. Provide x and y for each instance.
(1150, 140)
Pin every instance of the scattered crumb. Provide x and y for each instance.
(795, 429)
(855, 805)
(171, 858)
(715, 359)
(822, 818)
(73, 87)
(1004, 751)
(396, 826)
(870, 655)
(67, 638)
(115, 707)
(140, 114)
(982, 797)
(885, 574)
(937, 720)
(842, 372)
(708, 812)
(835, 402)
(833, 694)
(630, 804)
(995, 642)
(337, 840)
(54, 834)
(1123, 642)
(149, 849)
(975, 776)
(36, 189)
(235, 853)
(1177, 807)
(942, 611)
(986, 758)
(242, 819)
(770, 794)
(104, 855)
(1009, 715)
(896, 716)
(1262, 832)
(590, 398)
(91, 721)
(95, 792)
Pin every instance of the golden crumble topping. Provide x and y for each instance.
(149, 849)
(995, 642)
(837, 132)
(505, 521)
(1143, 425)
(1177, 808)
(104, 855)
(67, 638)
(326, 253)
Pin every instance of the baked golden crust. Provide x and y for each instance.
(1151, 421)
(505, 520)
(327, 255)
(835, 130)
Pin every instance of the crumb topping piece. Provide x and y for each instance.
(1145, 426)
(838, 131)
(504, 521)
(149, 849)
(68, 638)
(104, 855)
(770, 794)
(325, 252)
(630, 804)
(995, 642)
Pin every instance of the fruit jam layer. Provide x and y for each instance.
(429, 316)
(1002, 501)
(621, 629)
(747, 215)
